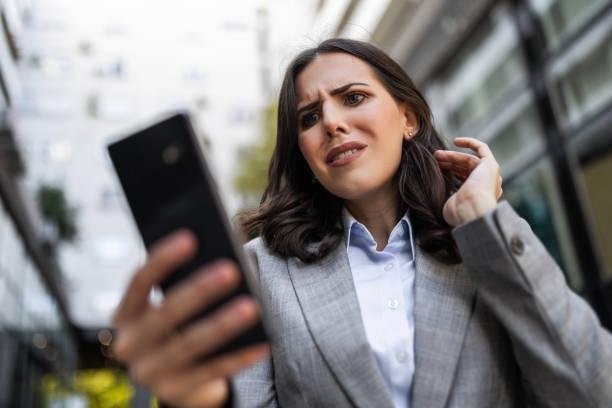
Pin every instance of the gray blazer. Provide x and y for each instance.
(500, 330)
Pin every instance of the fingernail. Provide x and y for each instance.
(222, 273)
(244, 308)
(226, 269)
(181, 239)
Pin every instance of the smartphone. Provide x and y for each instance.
(168, 185)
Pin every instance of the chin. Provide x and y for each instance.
(351, 192)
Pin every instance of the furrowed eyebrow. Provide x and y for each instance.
(333, 92)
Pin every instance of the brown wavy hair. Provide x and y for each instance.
(299, 218)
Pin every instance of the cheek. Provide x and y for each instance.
(308, 148)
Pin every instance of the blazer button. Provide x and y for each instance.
(517, 245)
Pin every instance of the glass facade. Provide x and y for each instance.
(579, 81)
(484, 90)
(483, 93)
(581, 77)
(560, 19)
(34, 337)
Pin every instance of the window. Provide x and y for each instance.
(485, 77)
(483, 93)
(561, 18)
(582, 76)
(519, 141)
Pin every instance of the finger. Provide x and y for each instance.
(196, 294)
(460, 172)
(199, 340)
(175, 386)
(482, 149)
(460, 175)
(457, 166)
(165, 256)
(212, 391)
(460, 158)
(211, 284)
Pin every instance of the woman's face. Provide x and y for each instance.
(350, 127)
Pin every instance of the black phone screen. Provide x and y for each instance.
(168, 186)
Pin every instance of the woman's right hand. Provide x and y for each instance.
(173, 363)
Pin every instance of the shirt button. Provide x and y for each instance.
(401, 356)
(517, 245)
(392, 304)
(388, 267)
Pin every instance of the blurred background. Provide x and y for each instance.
(533, 78)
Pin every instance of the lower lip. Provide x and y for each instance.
(346, 160)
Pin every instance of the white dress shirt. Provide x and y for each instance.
(384, 281)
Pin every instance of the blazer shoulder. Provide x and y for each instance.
(264, 258)
(257, 247)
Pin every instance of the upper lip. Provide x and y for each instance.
(343, 148)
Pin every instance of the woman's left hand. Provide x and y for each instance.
(482, 182)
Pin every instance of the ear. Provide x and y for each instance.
(411, 125)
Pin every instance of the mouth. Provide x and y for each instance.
(345, 153)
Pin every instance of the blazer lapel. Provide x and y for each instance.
(443, 306)
(330, 306)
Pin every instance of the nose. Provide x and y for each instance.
(334, 121)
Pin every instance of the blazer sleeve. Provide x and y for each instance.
(564, 353)
(254, 386)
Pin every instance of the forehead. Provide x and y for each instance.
(330, 71)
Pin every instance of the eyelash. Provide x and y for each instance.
(304, 119)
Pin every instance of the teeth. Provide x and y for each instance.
(345, 154)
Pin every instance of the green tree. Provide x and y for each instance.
(252, 175)
(55, 210)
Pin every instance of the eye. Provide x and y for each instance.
(309, 119)
(354, 98)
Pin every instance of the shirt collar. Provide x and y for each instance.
(353, 227)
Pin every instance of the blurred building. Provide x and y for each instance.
(92, 73)
(36, 337)
(84, 73)
(533, 79)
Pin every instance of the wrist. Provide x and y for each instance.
(474, 206)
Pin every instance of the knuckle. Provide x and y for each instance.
(166, 315)
(184, 342)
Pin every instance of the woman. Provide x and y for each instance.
(389, 274)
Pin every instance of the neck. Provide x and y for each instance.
(379, 213)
